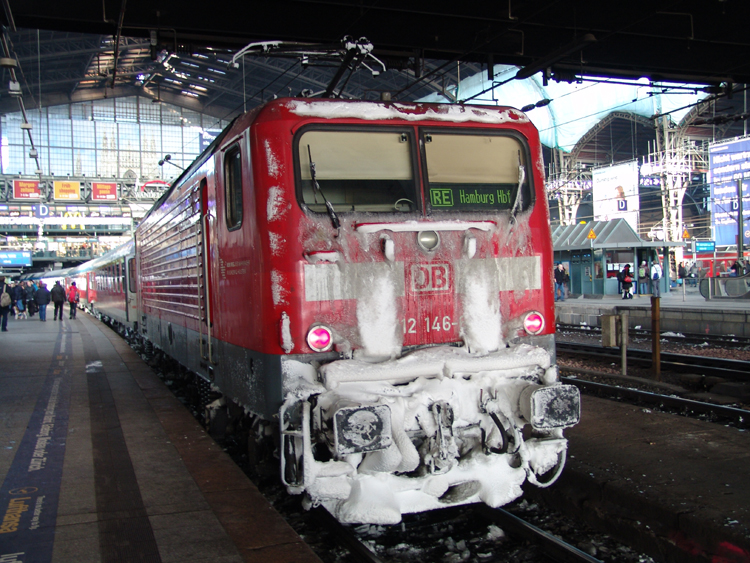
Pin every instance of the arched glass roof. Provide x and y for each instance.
(574, 108)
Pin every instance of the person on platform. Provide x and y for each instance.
(6, 301)
(655, 278)
(73, 299)
(626, 279)
(57, 294)
(29, 295)
(681, 271)
(559, 283)
(18, 295)
(42, 299)
(643, 278)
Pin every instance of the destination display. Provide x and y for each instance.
(449, 196)
(705, 246)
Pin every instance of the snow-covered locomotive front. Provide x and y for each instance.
(423, 295)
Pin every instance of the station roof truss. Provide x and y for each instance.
(181, 53)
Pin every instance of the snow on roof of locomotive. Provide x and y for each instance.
(375, 111)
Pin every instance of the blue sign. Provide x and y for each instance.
(705, 246)
(20, 258)
(729, 165)
(207, 137)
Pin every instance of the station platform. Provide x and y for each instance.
(682, 312)
(100, 462)
(669, 486)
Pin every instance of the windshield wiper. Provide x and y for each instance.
(521, 179)
(317, 190)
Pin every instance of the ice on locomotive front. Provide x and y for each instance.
(436, 382)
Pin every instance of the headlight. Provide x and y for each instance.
(428, 240)
(533, 322)
(320, 338)
(362, 429)
(555, 406)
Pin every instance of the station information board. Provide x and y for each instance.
(705, 245)
(15, 258)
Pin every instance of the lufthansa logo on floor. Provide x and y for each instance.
(16, 508)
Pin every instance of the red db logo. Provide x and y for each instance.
(430, 277)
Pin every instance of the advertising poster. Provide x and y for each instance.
(26, 189)
(728, 164)
(103, 191)
(615, 193)
(67, 191)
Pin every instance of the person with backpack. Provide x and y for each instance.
(73, 299)
(5, 302)
(643, 278)
(57, 294)
(655, 277)
(17, 293)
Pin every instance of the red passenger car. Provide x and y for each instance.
(374, 280)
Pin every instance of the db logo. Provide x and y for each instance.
(430, 277)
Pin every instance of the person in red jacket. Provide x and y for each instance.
(73, 299)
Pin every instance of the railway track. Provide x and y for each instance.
(688, 407)
(549, 546)
(714, 340)
(519, 540)
(734, 370)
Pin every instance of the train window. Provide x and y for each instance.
(233, 187)
(131, 275)
(357, 170)
(476, 171)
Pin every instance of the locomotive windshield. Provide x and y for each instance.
(476, 171)
(357, 170)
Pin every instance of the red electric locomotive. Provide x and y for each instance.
(375, 280)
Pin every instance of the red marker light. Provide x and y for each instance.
(320, 338)
(533, 323)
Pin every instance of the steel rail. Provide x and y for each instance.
(360, 552)
(740, 417)
(736, 370)
(683, 338)
(553, 547)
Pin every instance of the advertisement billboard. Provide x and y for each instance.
(103, 191)
(67, 191)
(729, 163)
(26, 189)
(615, 193)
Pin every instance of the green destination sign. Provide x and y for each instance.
(461, 197)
